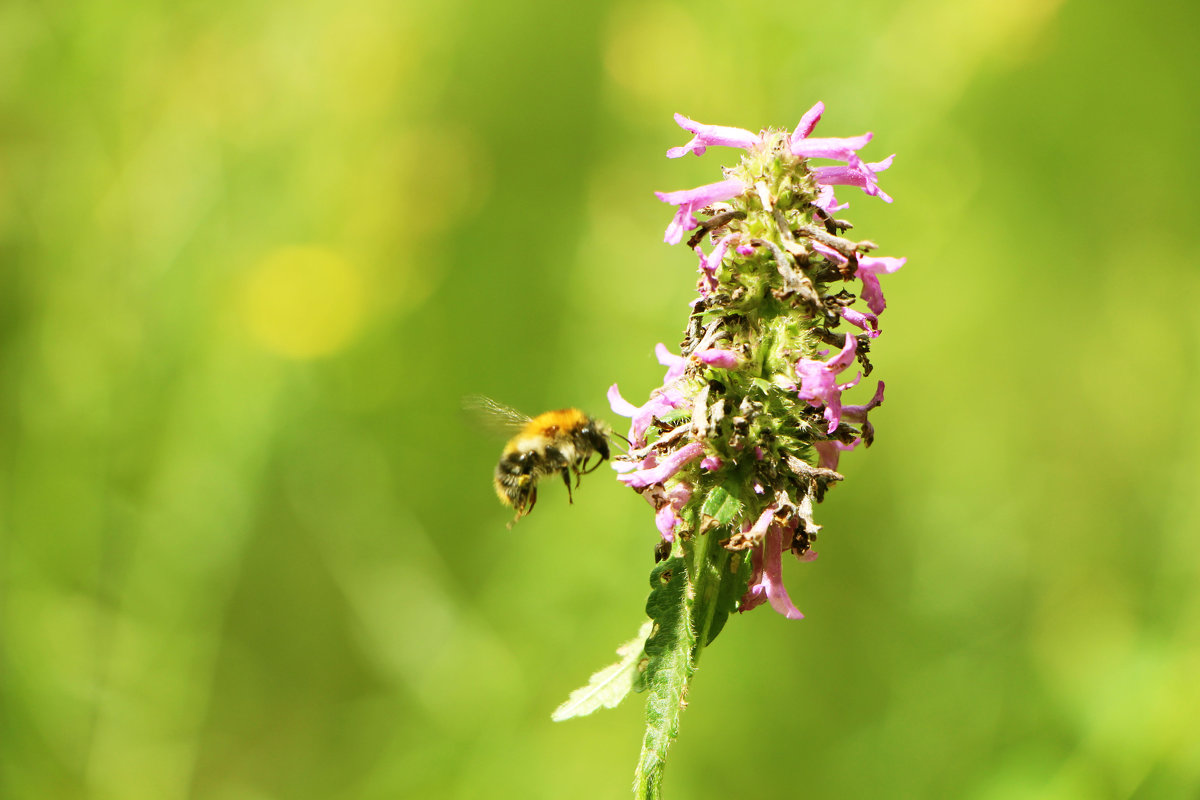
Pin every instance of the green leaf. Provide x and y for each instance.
(722, 505)
(734, 577)
(609, 686)
(667, 610)
(670, 652)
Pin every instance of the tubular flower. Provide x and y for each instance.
(727, 359)
(711, 135)
(692, 200)
(656, 472)
(830, 451)
(806, 125)
(869, 270)
(856, 174)
(662, 400)
(766, 579)
(818, 382)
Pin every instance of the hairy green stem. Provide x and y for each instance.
(701, 573)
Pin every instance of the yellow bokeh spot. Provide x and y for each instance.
(646, 46)
(303, 302)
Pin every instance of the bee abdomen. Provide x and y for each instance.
(514, 478)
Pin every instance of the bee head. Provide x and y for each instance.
(595, 434)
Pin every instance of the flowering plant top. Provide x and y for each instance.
(745, 432)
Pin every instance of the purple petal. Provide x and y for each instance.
(845, 356)
(808, 122)
(690, 200)
(829, 253)
(682, 222)
(859, 413)
(703, 195)
(726, 359)
(838, 149)
(710, 463)
(827, 202)
(711, 136)
(766, 582)
(868, 322)
(660, 402)
(772, 577)
(756, 592)
(830, 449)
(665, 469)
(666, 517)
(675, 364)
(857, 173)
(665, 520)
(619, 404)
(818, 384)
(758, 530)
(710, 263)
(868, 270)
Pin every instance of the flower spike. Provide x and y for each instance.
(741, 439)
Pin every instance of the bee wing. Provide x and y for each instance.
(493, 414)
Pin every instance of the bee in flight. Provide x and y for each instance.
(561, 441)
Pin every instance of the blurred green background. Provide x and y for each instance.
(253, 254)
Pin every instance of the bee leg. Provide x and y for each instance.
(566, 473)
(523, 504)
(585, 469)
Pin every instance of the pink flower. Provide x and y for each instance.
(712, 136)
(818, 381)
(659, 403)
(691, 200)
(669, 503)
(710, 263)
(859, 413)
(708, 267)
(830, 253)
(662, 399)
(766, 581)
(869, 269)
(827, 202)
(807, 123)
(837, 149)
(675, 364)
(831, 449)
(710, 463)
(857, 173)
(868, 322)
(649, 475)
(726, 359)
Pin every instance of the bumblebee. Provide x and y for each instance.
(562, 441)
